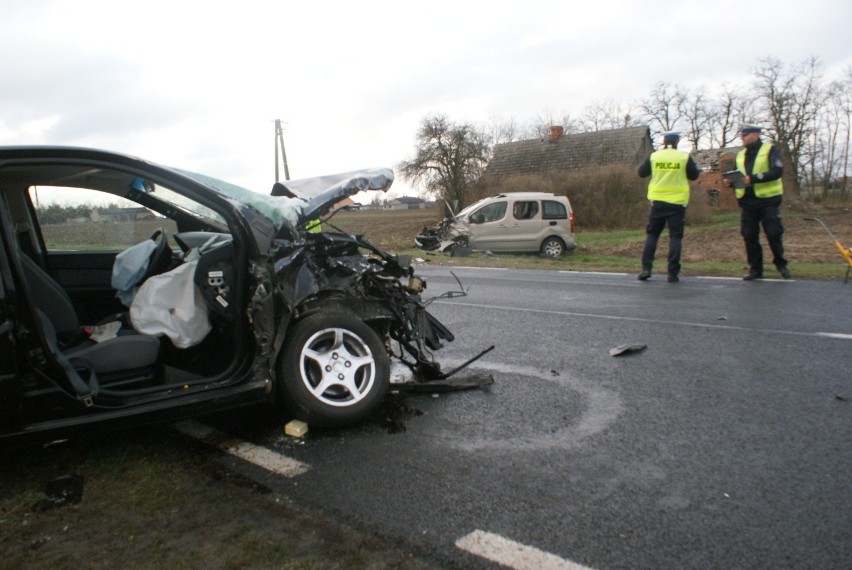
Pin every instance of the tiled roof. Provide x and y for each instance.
(570, 152)
(708, 159)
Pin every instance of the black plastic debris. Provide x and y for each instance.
(396, 412)
(469, 382)
(65, 490)
(626, 349)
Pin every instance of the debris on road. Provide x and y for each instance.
(296, 428)
(626, 349)
(450, 384)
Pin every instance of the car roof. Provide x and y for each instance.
(63, 164)
(527, 195)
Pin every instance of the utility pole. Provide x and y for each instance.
(279, 141)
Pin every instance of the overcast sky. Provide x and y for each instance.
(198, 84)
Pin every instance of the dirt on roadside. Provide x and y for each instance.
(156, 499)
(804, 241)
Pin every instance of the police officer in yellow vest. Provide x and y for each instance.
(760, 201)
(668, 190)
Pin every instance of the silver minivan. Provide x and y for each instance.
(509, 222)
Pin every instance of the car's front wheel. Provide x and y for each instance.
(334, 371)
(552, 247)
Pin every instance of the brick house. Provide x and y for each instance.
(712, 163)
(628, 146)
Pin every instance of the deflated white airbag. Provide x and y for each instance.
(171, 304)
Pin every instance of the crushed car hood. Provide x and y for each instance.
(322, 192)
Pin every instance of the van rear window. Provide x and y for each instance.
(551, 210)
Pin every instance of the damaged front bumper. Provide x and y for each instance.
(444, 237)
(332, 272)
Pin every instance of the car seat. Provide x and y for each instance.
(128, 351)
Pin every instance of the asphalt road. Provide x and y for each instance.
(725, 443)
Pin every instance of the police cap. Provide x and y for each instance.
(746, 129)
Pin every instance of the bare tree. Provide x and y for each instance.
(790, 99)
(728, 111)
(449, 158)
(499, 131)
(696, 110)
(846, 107)
(540, 126)
(827, 153)
(663, 107)
(838, 106)
(609, 114)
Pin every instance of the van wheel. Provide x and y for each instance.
(335, 370)
(552, 247)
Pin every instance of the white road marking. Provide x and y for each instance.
(593, 273)
(513, 554)
(835, 335)
(643, 320)
(617, 274)
(774, 279)
(719, 278)
(255, 454)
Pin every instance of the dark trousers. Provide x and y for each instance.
(663, 213)
(750, 222)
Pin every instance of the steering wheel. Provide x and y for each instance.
(161, 258)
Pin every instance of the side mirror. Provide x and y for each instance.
(477, 218)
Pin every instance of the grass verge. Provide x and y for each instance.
(155, 499)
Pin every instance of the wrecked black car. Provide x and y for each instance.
(132, 292)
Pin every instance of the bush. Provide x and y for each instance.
(699, 211)
(602, 197)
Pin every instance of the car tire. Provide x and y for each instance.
(335, 370)
(552, 247)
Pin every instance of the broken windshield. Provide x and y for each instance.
(311, 196)
(279, 210)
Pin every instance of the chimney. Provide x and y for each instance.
(555, 133)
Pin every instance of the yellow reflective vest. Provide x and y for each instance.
(761, 164)
(314, 226)
(668, 177)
